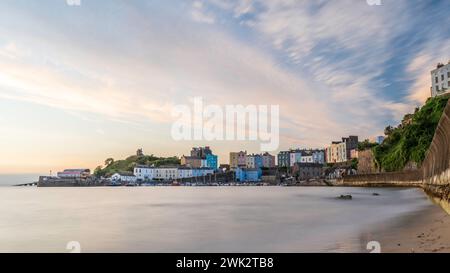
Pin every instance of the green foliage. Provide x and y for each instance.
(366, 144)
(354, 164)
(98, 172)
(410, 142)
(128, 164)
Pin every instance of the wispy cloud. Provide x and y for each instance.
(200, 15)
(332, 66)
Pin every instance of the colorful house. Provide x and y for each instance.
(248, 175)
(212, 161)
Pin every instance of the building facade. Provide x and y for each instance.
(305, 171)
(351, 143)
(440, 80)
(192, 161)
(295, 157)
(146, 173)
(74, 173)
(201, 152)
(318, 156)
(306, 156)
(336, 152)
(341, 151)
(268, 160)
(254, 161)
(284, 159)
(238, 160)
(212, 161)
(248, 174)
(124, 177)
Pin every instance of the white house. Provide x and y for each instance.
(307, 159)
(169, 173)
(123, 177)
(296, 157)
(184, 172)
(337, 152)
(166, 173)
(250, 161)
(144, 172)
(440, 80)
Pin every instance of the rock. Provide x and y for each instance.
(345, 197)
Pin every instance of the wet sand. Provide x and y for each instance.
(427, 231)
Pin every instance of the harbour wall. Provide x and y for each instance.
(433, 176)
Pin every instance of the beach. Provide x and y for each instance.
(427, 231)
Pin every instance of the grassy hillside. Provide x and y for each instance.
(128, 164)
(410, 141)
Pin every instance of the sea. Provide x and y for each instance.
(198, 219)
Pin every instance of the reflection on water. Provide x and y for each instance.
(185, 219)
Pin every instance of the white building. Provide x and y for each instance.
(199, 172)
(250, 161)
(307, 159)
(185, 172)
(166, 173)
(169, 173)
(144, 172)
(336, 153)
(124, 177)
(204, 163)
(440, 79)
(296, 157)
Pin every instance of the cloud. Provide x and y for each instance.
(434, 52)
(200, 15)
(321, 67)
(346, 54)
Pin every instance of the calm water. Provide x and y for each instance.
(201, 219)
(14, 179)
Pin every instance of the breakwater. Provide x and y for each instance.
(433, 175)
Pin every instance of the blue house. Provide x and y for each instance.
(248, 175)
(259, 163)
(212, 161)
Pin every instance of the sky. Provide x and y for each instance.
(79, 84)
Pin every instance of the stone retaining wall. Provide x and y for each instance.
(434, 174)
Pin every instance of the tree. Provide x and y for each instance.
(366, 144)
(354, 164)
(388, 130)
(109, 161)
(99, 172)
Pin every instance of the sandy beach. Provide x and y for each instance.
(427, 231)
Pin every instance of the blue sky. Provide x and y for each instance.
(82, 83)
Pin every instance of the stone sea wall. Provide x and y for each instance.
(434, 174)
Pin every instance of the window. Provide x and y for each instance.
(442, 77)
(437, 79)
(448, 74)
